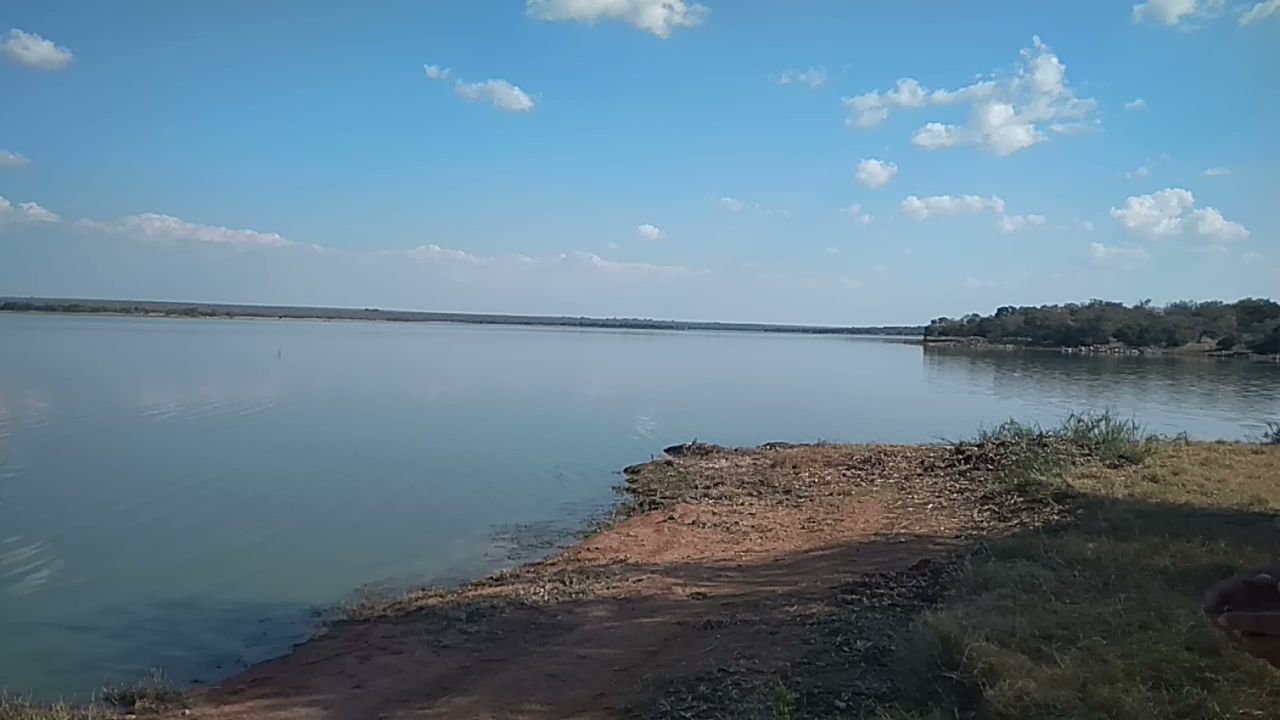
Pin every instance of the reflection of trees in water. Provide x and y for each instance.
(1241, 391)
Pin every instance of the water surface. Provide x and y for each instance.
(186, 494)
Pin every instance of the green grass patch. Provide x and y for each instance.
(1099, 617)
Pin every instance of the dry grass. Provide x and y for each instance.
(153, 695)
(1099, 618)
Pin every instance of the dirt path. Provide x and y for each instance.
(746, 557)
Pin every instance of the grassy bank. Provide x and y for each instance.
(1098, 616)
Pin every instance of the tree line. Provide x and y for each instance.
(1251, 324)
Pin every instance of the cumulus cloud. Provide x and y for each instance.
(1217, 172)
(876, 173)
(1165, 213)
(918, 208)
(502, 94)
(737, 205)
(435, 252)
(814, 77)
(1184, 14)
(1107, 256)
(649, 232)
(24, 212)
(1142, 171)
(32, 51)
(854, 212)
(10, 159)
(435, 72)
(659, 17)
(499, 93)
(732, 204)
(1136, 104)
(1260, 11)
(155, 226)
(1013, 223)
(1210, 223)
(1010, 112)
(1158, 214)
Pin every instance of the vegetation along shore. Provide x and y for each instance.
(1027, 573)
(1246, 327)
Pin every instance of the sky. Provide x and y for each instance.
(807, 161)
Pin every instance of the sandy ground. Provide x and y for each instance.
(729, 575)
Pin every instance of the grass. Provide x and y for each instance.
(150, 696)
(1033, 460)
(1098, 617)
(1271, 436)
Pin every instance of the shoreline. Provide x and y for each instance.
(816, 581)
(686, 543)
(226, 311)
(982, 345)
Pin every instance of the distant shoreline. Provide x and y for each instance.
(1113, 350)
(160, 309)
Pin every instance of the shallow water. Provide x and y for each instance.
(187, 494)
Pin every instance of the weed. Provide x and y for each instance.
(1271, 436)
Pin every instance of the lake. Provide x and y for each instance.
(190, 494)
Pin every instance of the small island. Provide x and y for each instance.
(1246, 327)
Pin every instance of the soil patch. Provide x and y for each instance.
(730, 581)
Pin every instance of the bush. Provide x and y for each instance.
(1271, 436)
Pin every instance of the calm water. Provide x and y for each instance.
(187, 494)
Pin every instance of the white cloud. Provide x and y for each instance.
(736, 205)
(24, 212)
(10, 159)
(1136, 104)
(1008, 113)
(1217, 172)
(1158, 214)
(1013, 223)
(1165, 213)
(502, 94)
(1177, 13)
(918, 208)
(1106, 255)
(814, 77)
(649, 232)
(435, 72)
(594, 262)
(870, 109)
(856, 214)
(435, 252)
(32, 51)
(972, 283)
(1144, 170)
(934, 136)
(1210, 223)
(1260, 11)
(166, 227)
(659, 17)
(732, 204)
(832, 250)
(876, 173)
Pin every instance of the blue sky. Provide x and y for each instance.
(810, 161)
